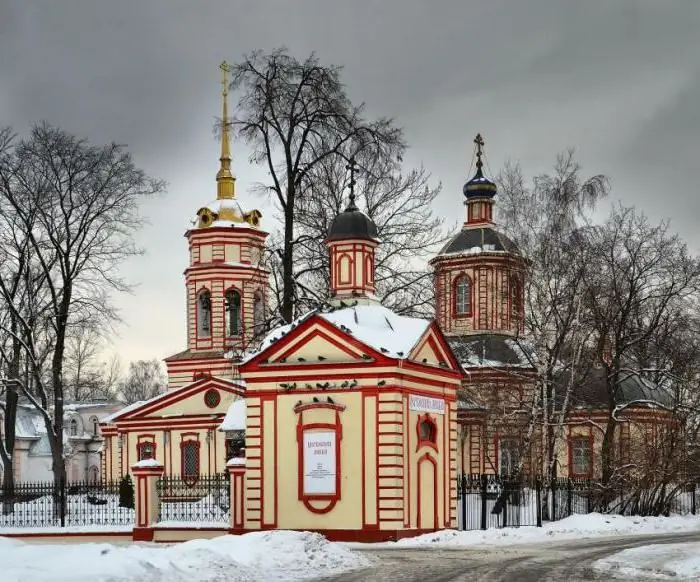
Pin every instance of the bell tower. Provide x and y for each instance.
(479, 273)
(226, 282)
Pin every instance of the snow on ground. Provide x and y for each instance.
(654, 562)
(254, 557)
(574, 527)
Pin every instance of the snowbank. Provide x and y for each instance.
(254, 557)
(574, 527)
(655, 562)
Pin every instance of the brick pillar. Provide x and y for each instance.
(236, 470)
(146, 499)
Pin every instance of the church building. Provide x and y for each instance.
(350, 420)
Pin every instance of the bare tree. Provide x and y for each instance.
(546, 219)
(144, 380)
(295, 114)
(76, 205)
(83, 377)
(401, 207)
(640, 274)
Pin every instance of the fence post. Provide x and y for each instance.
(236, 470)
(484, 484)
(63, 499)
(146, 500)
(569, 497)
(692, 499)
(538, 495)
(463, 495)
(553, 488)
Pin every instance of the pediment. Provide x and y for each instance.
(190, 400)
(318, 343)
(432, 349)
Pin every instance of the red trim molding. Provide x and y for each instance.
(311, 499)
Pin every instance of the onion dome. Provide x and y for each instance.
(479, 186)
(352, 222)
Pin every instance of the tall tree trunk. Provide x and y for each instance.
(288, 258)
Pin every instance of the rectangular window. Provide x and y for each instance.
(508, 456)
(146, 451)
(190, 459)
(235, 444)
(581, 457)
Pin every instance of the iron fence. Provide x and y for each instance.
(488, 501)
(67, 504)
(204, 498)
(494, 501)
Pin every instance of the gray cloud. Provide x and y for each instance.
(618, 80)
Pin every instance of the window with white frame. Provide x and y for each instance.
(508, 456)
(581, 457)
(463, 296)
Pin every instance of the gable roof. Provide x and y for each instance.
(375, 326)
(139, 409)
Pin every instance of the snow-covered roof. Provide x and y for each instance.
(379, 327)
(235, 416)
(128, 408)
(374, 325)
(228, 212)
(492, 350)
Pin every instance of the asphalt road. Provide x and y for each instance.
(569, 561)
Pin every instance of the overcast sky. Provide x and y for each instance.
(618, 80)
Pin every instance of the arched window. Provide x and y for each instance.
(95, 424)
(74, 427)
(427, 431)
(233, 313)
(204, 313)
(515, 297)
(463, 296)
(258, 313)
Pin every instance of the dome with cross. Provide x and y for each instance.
(352, 222)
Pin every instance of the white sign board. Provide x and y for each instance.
(319, 463)
(426, 404)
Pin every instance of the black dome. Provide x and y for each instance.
(479, 186)
(352, 223)
(485, 237)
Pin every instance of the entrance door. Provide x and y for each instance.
(427, 493)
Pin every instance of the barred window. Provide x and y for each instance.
(190, 459)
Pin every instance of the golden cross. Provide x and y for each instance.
(225, 69)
